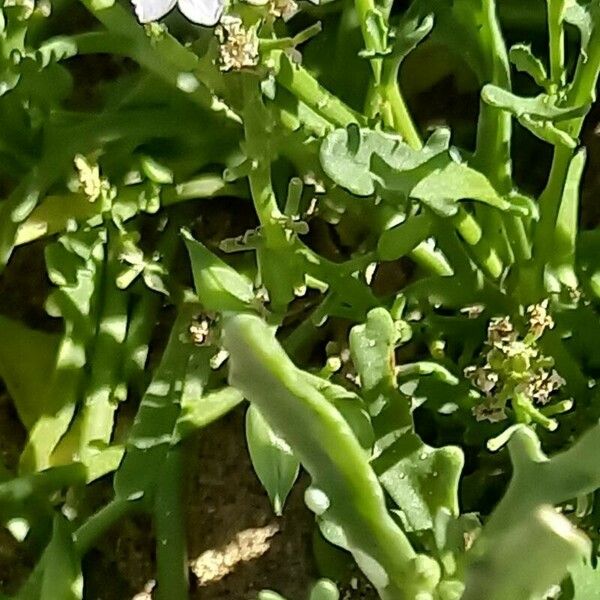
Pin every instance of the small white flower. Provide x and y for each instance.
(201, 12)
(201, 330)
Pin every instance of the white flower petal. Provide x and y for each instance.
(202, 12)
(152, 10)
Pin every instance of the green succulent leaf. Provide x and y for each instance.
(219, 286)
(326, 447)
(155, 171)
(346, 155)
(201, 409)
(548, 132)
(542, 107)
(583, 16)
(536, 529)
(402, 239)
(455, 182)
(182, 373)
(586, 580)
(272, 459)
(372, 346)
(562, 481)
(410, 33)
(439, 184)
(101, 4)
(62, 570)
(525, 61)
(324, 589)
(26, 380)
(546, 539)
(420, 479)
(270, 595)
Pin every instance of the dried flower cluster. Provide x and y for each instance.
(539, 319)
(284, 9)
(238, 44)
(543, 385)
(514, 366)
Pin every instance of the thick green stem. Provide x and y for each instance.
(431, 260)
(563, 477)
(151, 436)
(144, 316)
(303, 86)
(493, 146)
(106, 382)
(518, 238)
(384, 95)
(401, 120)
(550, 198)
(257, 148)
(366, 12)
(556, 38)
(16, 493)
(581, 92)
(165, 57)
(98, 524)
(494, 128)
(307, 89)
(467, 226)
(171, 544)
(345, 488)
(55, 212)
(483, 251)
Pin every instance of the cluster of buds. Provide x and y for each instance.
(238, 44)
(155, 31)
(201, 330)
(515, 368)
(27, 8)
(204, 331)
(91, 183)
(339, 362)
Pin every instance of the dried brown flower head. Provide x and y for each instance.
(539, 319)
